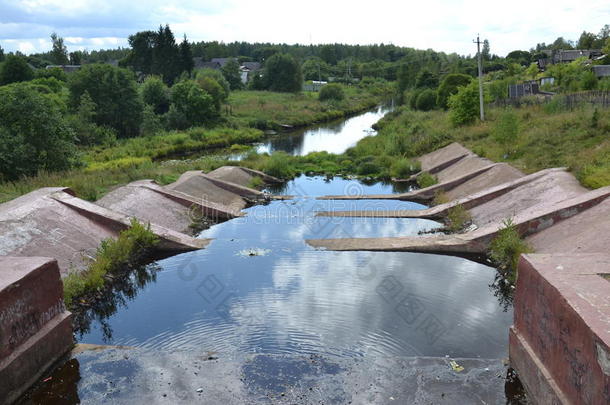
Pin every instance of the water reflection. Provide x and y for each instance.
(297, 300)
(110, 300)
(333, 137)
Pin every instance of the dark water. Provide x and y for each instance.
(259, 288)
(334, 137)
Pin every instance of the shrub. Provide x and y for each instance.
(506, 248)
(331, 91)
(425, 179)
(457, 218)
(449, 86)
(113, 255)
(155, 94)
(283, 73)
(426, 100)
(404, 168)
(194, 103)
(464, 105)
(278, 165)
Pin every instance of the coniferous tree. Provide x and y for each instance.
(231, 72)
(166, 55)
(1, 54)
(186, 56)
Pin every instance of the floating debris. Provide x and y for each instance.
(254, 252)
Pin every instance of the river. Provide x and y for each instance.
(258, 288)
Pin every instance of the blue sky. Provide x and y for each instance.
(442, 25)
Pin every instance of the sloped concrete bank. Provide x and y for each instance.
(35, 329)
(560, 341)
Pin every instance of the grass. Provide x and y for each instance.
(530, 138)
(425, 179)
(458, 218)
(93, 184)
(270, 110)
(112, 256)
(505, 249)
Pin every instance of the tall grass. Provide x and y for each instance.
(112, 256)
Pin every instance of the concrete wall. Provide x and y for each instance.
(35, 328)
(560, 340)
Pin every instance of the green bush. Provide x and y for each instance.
(457, 218)
(156, 94)
(506, 248)
(368, 168)
(426, 100)
(331, 91)
(191, 103)
(113, 255)
(464, 105)
(279, 165)
(404, 168)
(425, 179)
(449, 86)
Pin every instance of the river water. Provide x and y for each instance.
(259, 288)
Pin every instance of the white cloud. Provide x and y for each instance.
(442, 25)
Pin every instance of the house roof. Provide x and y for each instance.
(601, 70)
(251, 66)
(222, 61)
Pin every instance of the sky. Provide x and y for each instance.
(442, 25)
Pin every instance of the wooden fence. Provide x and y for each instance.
(564, 101)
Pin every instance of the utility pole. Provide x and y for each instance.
(480, 63)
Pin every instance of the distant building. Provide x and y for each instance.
(566, 56)
(314, 85)
(65, 68)
(528, 88)
(547, 80)
(601, 70)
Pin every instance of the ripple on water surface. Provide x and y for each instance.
(294, 299)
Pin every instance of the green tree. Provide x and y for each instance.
(315, 69)
(115, 93)
(283, 73)
(194, 103)
(140, 57)
(218, 78)
(166, 55)
(328, 55)
(586, 40)
(59, 52)
(151, 122)
(83, 124)
(76, 57)
(155, 94)
(449, 86)
(215, 90)
(33, 133)
(15, 69)
(1, 54)
(56, 72)
(426, 100)
(186, 57)
(464, 105)
(331, 91)
(231, 72)
(486, 51)
(426, 80)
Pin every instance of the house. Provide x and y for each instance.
(601, 70)
(199, 63)
(566, 56)
(65, 68)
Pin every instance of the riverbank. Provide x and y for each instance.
(530, 138)
(131, 159)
